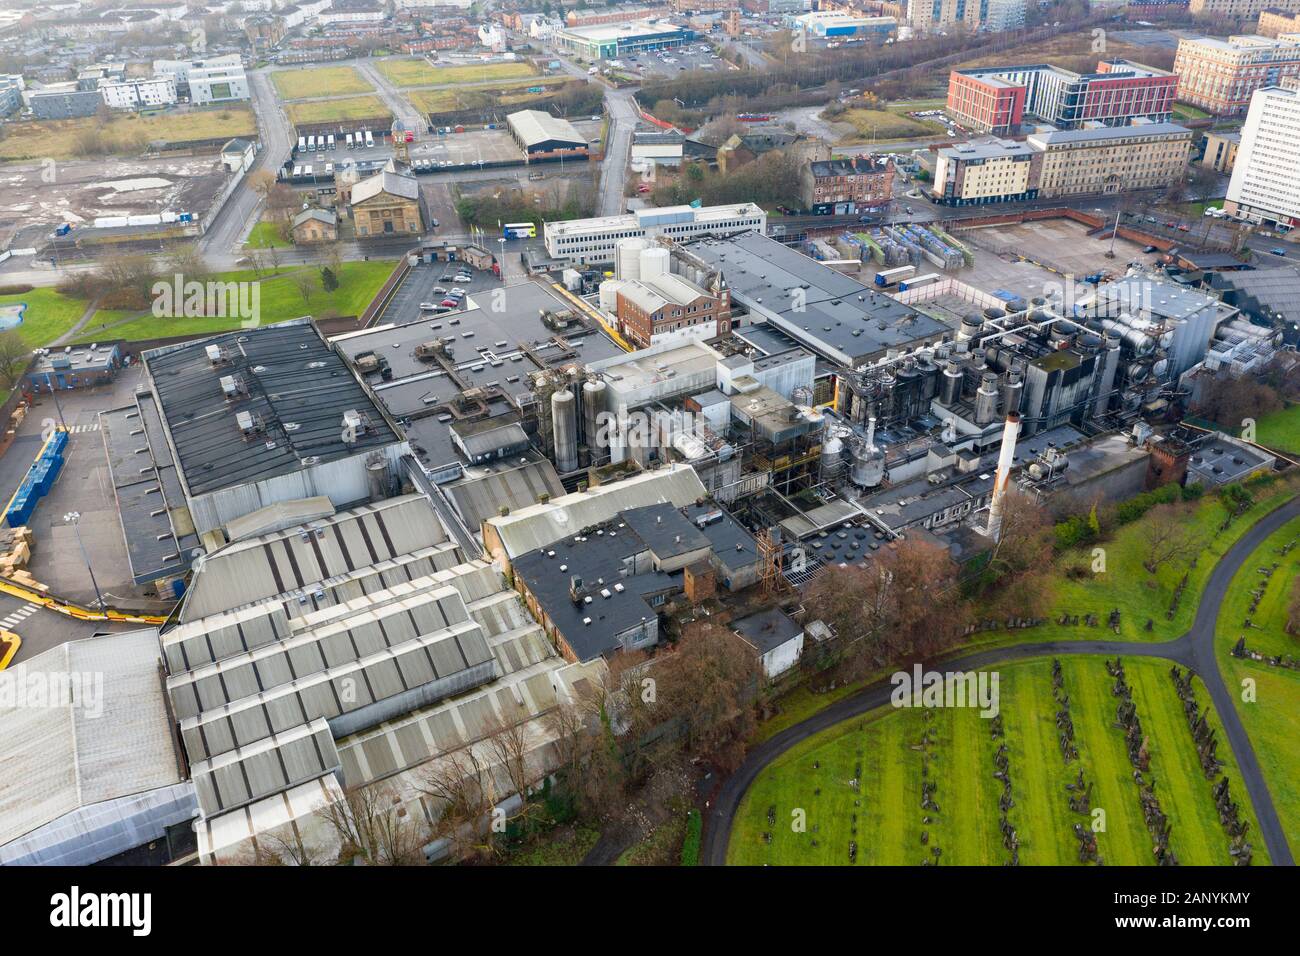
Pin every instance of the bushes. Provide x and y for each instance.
(1078, 529)
(20, 289)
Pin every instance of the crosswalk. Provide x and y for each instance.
(77, 429)
(18, 616)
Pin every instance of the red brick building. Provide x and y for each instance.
(862, 182)
(667, 306)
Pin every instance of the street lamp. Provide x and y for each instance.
(72, 517)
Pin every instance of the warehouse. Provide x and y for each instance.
(541, 135)
(595, 240)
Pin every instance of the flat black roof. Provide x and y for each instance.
(664, 529)
(767, 630)
(732, 543)
(289, 379)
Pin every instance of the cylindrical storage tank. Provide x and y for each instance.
(950, 390)
(993, 312)
(377, 478)
(1160, 368)
(970, 325)
(801, 395)
(1012, 389)
(832, 460)
(609, 295)
(565, 425)
(593, 403)
(627, 258)
(1137, 372)
(986, 399)
(654, 262)
(867, 469)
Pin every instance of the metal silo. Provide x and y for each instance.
(593, 403)
(565, 424)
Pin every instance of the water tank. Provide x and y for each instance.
(627, 258)
(654, 262)
(986, 399)
(609, 295)
(593, 403)
(950, 390)
(867, 469)
(565, 425)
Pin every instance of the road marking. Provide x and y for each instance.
(24, 612)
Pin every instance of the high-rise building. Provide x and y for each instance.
(998, 99)
(991, 15)
(1239, 8)
(1264, 187)
(1220, 75)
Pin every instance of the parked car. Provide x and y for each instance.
(439, 290)
(426, 306)
(1279, 251)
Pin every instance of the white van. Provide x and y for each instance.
(331, 141)
(302, 143)
(370, 140)
(349, 140)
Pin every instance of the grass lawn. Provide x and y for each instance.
(1280, 430)
(266, 235)
(280, 299)
(420, 73)
(1125, 584)
(441, 101)
(59, 139)
(48, 315)
(563, 846)
(335, 111)
(886, 124)
(1272, 719)
(1188, 111)
(880, 751)
(319, 81)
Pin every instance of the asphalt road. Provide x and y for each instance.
(1194, 650)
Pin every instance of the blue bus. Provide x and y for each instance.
(519, 230)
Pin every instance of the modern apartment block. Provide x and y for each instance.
(998, 99)
(217, 80)
(1084, 162)
(970, 174)
(1221, 151)
(1264, 186)
(1274, 22)
(992, 16)
(858, 183)
(1079, 162)
(139, 94)
(1219, 76)
(1239, 8)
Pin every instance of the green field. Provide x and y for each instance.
(280, 299)
(880, 125)
(337, 111)
(1273, 719)
(49, 314)
(420, 73)
(124, 134)
(1280, 430)
(1126, 584)
(319, 81)
(447, 100)
(266, 235)
(816, 776)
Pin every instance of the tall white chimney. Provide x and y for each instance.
(1010, 431)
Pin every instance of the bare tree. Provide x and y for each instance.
(373, 826)
(461, 786)
(1170, 536)
(13, 356)
(307, 282)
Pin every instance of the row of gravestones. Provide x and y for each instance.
(1203, 736)
(1002, 771)
(1009, 624)
(1079, 791)
(1273, 660)
(928, 788)
(1126, 718)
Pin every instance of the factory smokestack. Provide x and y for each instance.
(1006, 456)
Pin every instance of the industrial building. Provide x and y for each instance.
(831, 314)
(541, 135)
(609, 41)
(840, 24)
(661, 293)
(590, 241)
(73, 366)
(236, 423)
(998, 99)
(1219, 76)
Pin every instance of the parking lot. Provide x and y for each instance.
(666, 64)
(423, 280)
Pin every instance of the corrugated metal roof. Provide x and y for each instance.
(80, 748)
(540, 525)
(481, 496)
(534, 127)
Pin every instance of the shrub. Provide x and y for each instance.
(691, 845)
(21, 289)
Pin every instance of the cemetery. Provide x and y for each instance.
(1089, 761)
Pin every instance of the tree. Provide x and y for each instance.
(328, 280)
(461, 787)
(13, 356)
(373, 826)
(261, 182)
(1170, 536)
(307, 283)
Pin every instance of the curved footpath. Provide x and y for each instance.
(1194, 650)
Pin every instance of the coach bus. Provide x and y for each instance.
(519, 230)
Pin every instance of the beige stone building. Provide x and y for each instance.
(1239, 8)
(387, 203)
(1221, 151)
(314, 225)
(1115, 159)
(985, 172)
(1274, 22)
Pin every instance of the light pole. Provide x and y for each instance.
(72, 517)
